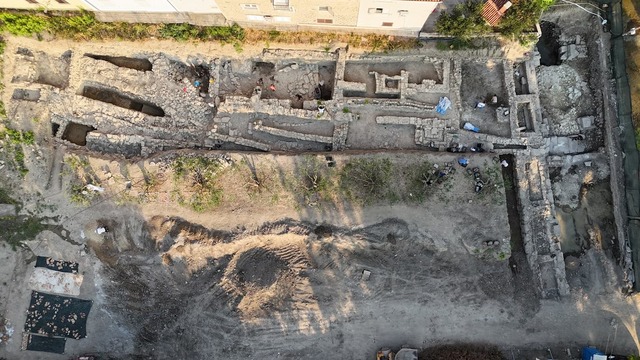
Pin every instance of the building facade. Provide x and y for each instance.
(398, 17)
(285, 13)
(44, 4)
(404, 15)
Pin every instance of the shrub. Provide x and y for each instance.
(22, 24)
(200, 174)
(366, 180)
(463, 22)
(180, 32)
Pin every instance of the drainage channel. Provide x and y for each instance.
(522, 274)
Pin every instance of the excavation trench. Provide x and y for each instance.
(518, 263)
(113, 97)
(125, 62)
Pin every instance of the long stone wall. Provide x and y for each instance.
(292, 134)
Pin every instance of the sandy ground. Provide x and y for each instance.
(265, 280)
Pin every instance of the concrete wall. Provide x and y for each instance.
(395, 14)
(132, 5)
(44, 4)
(263, 13)
(196, 6)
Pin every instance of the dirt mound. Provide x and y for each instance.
(167, 230)
(264, 279)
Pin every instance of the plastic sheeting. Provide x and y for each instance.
(43, 343)
(443, 105)
(57, 265)
(55, 315)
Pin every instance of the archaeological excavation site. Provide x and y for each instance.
(189, 201)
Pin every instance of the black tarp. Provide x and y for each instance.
(57, 265)
(56, 315)
(44, 343)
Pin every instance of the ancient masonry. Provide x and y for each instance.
(286, 100)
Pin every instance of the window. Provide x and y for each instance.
(255, 18)
(282, 5)
(324, 21)
(249, 6)
(32, 1)
(324, 8)
(376, 10)
(62, 1)
(387, 24)
(403, 12)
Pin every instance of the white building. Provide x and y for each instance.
(407, 15)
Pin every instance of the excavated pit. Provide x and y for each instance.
(114, 98)
(75, 133)
(125, 62)
(548, 45)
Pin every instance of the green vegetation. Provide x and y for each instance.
(198, 176)
(312, 181)
(14, 141)
(16, 229)
(522, 17)
(422, 180)
(22, 25)
(367, 180)
(83, 26)
(463, 22)
(78, 194)
(5, 198)
(16, 137)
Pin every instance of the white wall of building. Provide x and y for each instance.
(196, 6)
(394, 14)
(132, 5)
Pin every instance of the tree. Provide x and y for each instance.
(463, 22)
(522, 17)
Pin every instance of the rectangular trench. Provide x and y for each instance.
(113, 97)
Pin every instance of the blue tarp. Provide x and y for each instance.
(443, 105)
(589, 351)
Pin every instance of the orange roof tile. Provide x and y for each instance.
(493, 10)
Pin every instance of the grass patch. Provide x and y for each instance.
(367, 180)
(195, 180)
(16, 137)
(5, 198)
(313, 181)
(17, 229)
(13, 144)
(424, 179)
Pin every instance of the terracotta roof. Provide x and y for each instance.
(493, 10)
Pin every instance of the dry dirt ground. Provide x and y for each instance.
(271, 273)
